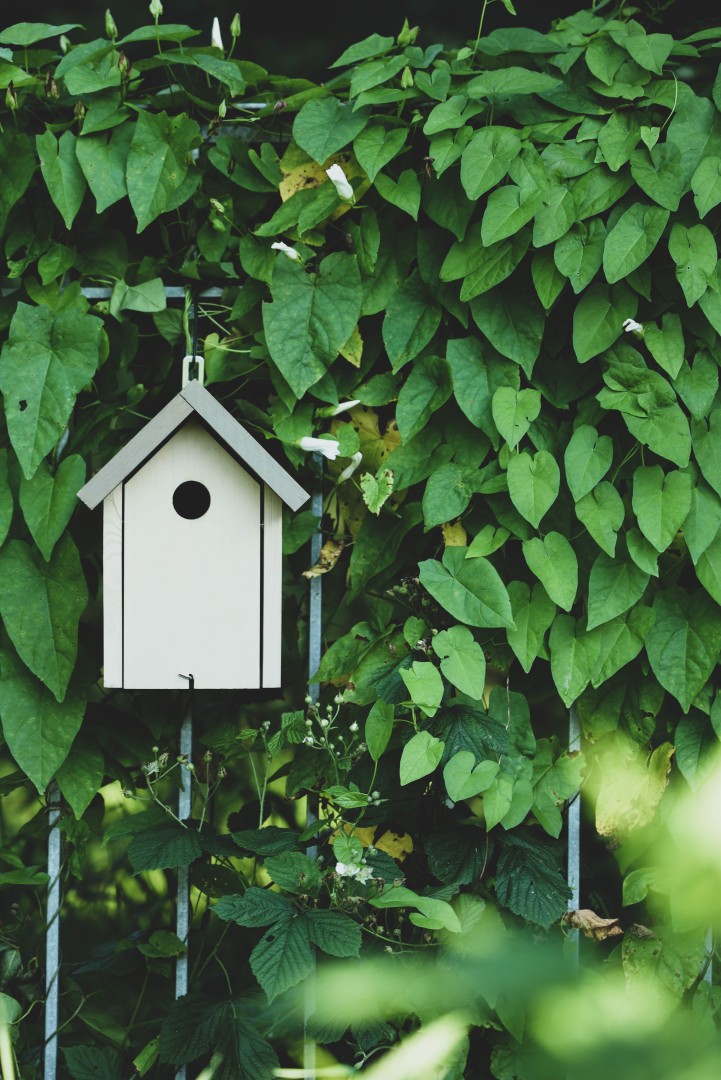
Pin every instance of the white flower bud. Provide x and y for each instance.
(339, 180)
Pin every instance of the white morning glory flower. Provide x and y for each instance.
(339, 180)
(350, 469)
(215, 39)
(286, 249)
(327, 447)
(632, 327)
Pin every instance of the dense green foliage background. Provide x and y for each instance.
(506, 334)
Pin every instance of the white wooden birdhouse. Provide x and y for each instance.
(192, 537)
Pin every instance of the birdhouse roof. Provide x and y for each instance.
(193, 399)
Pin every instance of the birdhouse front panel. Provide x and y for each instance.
(192, 573)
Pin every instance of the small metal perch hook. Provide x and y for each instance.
(191, 680)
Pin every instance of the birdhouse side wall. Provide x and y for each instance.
(272, 587)
(113, 588)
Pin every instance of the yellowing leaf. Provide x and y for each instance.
(352, 351)
(376, 489)
(592, 925)
(375, 446)
(397, 845)
(454, 535)
(329, 555)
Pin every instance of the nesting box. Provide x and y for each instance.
(192, 544)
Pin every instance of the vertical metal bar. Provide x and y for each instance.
(574, 833)
(52, 939)
(315, 642)
(182, 923)
(708, 973)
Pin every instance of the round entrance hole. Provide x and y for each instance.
(191, 499)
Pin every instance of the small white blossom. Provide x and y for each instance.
(327, 447)
(345, 869)
(215, 39)
(354, 727)
(339, 180)
(350, 469)
(308, 740)
(324, 722)
(345, 406)
(338, 699)
(631, 326)
(363, 874)
(286, 249)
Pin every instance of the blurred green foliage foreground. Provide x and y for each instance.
(470, 296)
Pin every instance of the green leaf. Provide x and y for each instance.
(293, 871)
(17, 164)
(696, 746)
(706, 185)
(405, 193)
(421, 756)
(425, 686)
(6, 497)
(667, 345)
(547, 280)
(377, 489)
(660, 174)
(162, 846)
(256, 907)
(448, 492)
(507, 211)
(378, 728)
(510, 80)
(616, 643)
(602, 512)
(673, 961)
(706, 443)
(311, 316)
(599, 317)
(587, 459)
(92, 1062)
(41, 604)
(376, 147)
(333, 932)
(283, 957)
(272, 840)
(533, 484)
(29, 33)
(61, 173)
(578, 255)
(570, 663)
(613, 587)
(160, 172)
(47, 360)
(325, 125)
(533, 613)
(618, 139)
(514, 411)
(411, 321)
(469, 590)
(697, 385)
(481, 266)
(80, 777)
(398, 896)
(528, 880)
(702, 521)
(427, 387)
(684, 642)
(554, 563)
(476, 376)
(456, 856)
(661, 503)
(632, 239)
(488, 540)
(708, 569)
(38, 730)
(512, 322)
(487, 158)
(694, 252)
(464, 779)
(48, 501)
(103, 162)
(462, 660)
(367, 49)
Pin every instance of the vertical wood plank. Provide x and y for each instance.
(113, 588)
(272, 588)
